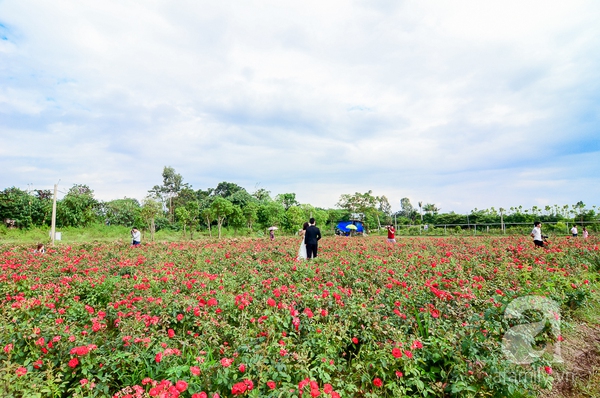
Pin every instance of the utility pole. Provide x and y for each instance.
(53, 230)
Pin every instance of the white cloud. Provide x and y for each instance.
(441, 101)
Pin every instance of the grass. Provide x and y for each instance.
(580, 373)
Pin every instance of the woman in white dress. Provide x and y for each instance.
(302, 251)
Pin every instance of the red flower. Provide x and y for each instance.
(171, 333)
(81, 351)
(327, 388)
(181, 386)
(195, 370)
(242, 368)
(73, 362)
(377, 382)
(21, 371)
(200, 395)
(397, 352)
(238, 388)
(271, 385)
(158, 357)
(354, 340)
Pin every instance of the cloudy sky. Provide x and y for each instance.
(465, 104)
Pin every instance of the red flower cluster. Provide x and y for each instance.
(315, 390)
(242, 387)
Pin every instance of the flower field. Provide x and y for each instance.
(423, 317)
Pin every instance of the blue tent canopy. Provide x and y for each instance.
(342, 225)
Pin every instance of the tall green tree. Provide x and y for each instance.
(270, 214)
(42, 207)
(236, 219)
(183, 216)
(17, 205)
(227, 189)
(262, 195)
(408, 210)
(287, 200)
(172, 185)
(193, 208)
(321, 216)
(124, 212)
(221, 208)
(250, 212)
(150, 210)
(78, 208)
(184, 196)
(208, 215)
(430, 208)
(294, 217)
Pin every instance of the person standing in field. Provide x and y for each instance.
(40, 248)
(311, 238)
(574, 231)
(302, 251)
(585, 233)
(536, 233)
(391, 231)
(136, 237)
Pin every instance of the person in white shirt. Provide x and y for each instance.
(136, 237)
(574, 231)
(536, 233)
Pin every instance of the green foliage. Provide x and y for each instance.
(271, 213)
(183, 216)
(236, 219)
(150, 211)
(287, 200)
(294, 218)
(77, 208)
(124, 212)
(221, 208)
(171, 187)
(250, 214)
(27, 210)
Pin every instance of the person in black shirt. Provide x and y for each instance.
(311, 239)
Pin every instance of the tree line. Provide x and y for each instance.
(176, 205)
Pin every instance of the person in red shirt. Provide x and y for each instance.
(391, 234)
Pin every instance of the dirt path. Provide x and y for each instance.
(581, 354)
